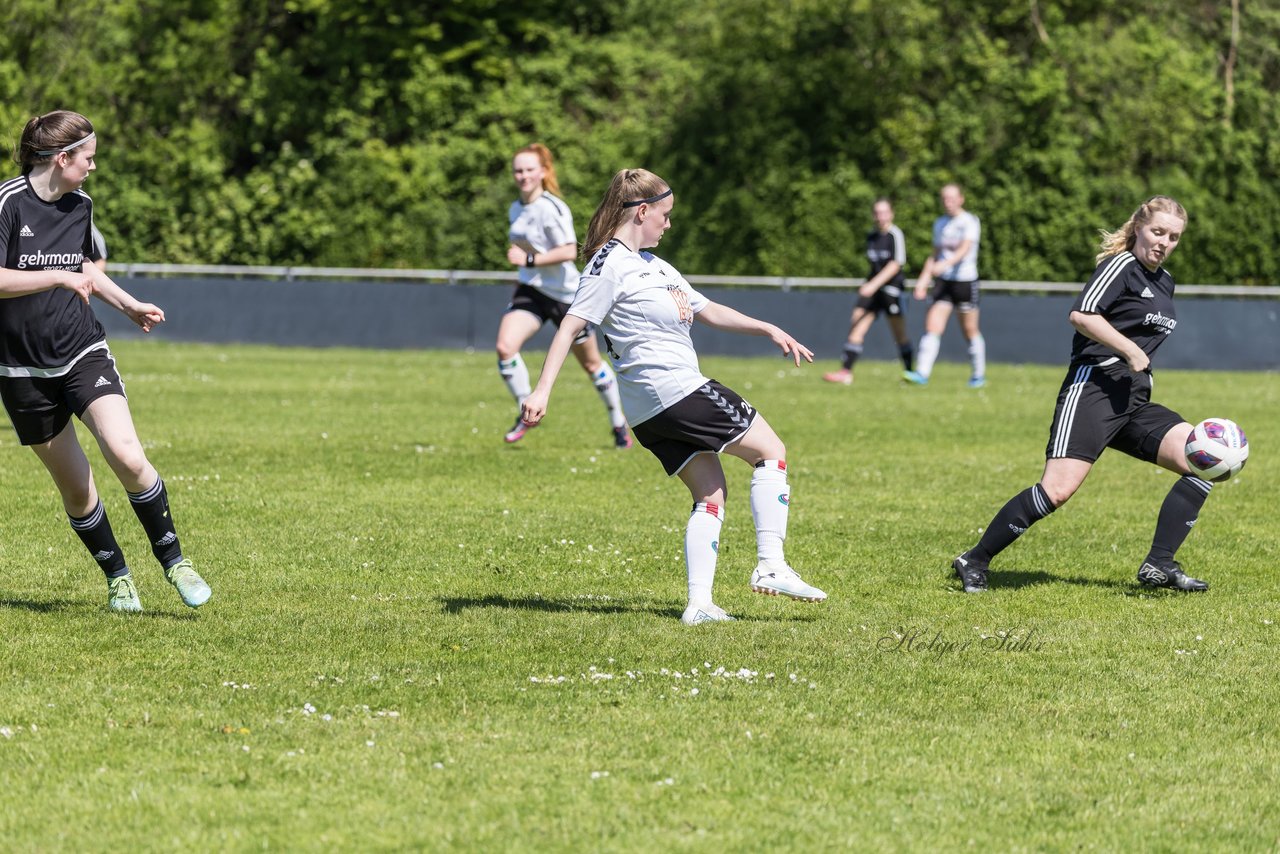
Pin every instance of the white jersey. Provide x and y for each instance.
(540, 226)
(645, 309)
(948, 233)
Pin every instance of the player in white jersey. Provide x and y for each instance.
(542, 248)
(954, 263)
(646, 310)
(54, 359)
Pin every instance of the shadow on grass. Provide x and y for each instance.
(456, 605)
(62, 606)
(1015, 578)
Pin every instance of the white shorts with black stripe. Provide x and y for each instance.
(705, 421)
(1110, 406)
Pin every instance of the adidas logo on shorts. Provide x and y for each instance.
(26, 232)
(101, 382)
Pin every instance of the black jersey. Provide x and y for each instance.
(886, 246)
(1133, 299)
(42, 334)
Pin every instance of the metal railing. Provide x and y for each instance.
(489, 277)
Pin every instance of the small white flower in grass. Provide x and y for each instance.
(308, 709)
(693, 692)
(748, 734)
(326, 717)
(596, 775)
(439, 766)
(1199, 637)
(1266, 622)
(368, 744)
(768, 676)
(324, 435)
(245, 748)
(6, 732)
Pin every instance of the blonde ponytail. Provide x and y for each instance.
(1123, 238)
(629, 185)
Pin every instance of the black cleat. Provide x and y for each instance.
(1170, 576)
(972, 575)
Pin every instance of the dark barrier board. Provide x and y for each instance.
(1212, 333)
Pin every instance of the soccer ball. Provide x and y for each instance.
(1216, 449)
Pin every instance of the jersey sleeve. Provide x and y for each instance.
(97, 250)
(558, 227)
(594, 298)
(1105, 285)
(972, 230)
(899, 247)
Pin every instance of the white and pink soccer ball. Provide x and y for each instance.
(1216, 449)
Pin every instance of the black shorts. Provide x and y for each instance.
(964, 295)
(548, 310)
(40, 407)
(1108, 407)
(705, 421)
(889, 299)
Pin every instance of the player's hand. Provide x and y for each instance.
(534, 407)
(516, 255)
(145, 314)
(79, 284)
(790, 346)
(1138, 362)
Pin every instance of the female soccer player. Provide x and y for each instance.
(1123, 314)
(646, 310)
(954, 263)
(882, 292)
(543, 247)
(54, 359)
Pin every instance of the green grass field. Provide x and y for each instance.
(423, 639)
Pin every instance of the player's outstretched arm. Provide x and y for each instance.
(535, 405)
(719, 316)
(144, 314)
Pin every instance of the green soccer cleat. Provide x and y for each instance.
(122, 596)
(191, 587)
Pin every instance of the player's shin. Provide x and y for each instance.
(770, 505)
(1177, 517)
(94, 530)
(1015, 517)
(515, 373)
(152, 508)
(606, 384)
(701, 548)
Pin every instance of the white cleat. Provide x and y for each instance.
(696, 615)
(776, 578)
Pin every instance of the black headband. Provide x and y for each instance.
(647, 201)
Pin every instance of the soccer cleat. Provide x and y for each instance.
(774, 578)
(696, 615)
(842, 376)
(191, 587)
(977, 382)
(122, 596)
(972, 575)
(517, 431)
(1170, 576)
(915, 378)
(621, 438)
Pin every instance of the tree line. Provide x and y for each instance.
(379, 133)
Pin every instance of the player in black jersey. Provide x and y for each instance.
(1121, 317)
(882, 292)
(54, 360)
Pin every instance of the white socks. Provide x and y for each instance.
(607, 385)
(516, 375)
(927, 355)
(978, 356)
(701, 548)
(770, 504)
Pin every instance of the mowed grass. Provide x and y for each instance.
(423, 639)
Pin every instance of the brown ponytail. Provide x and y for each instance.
(629, 185)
